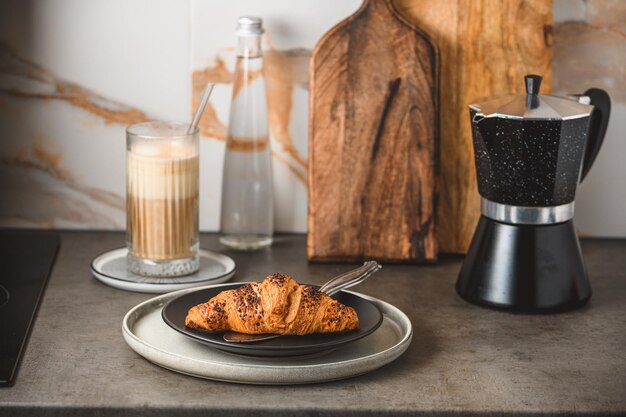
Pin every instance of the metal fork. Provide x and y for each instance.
(333, 286)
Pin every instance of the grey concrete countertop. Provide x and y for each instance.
(464, 360)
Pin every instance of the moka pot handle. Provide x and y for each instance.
(601, 103)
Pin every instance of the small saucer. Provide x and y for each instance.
(110, 268)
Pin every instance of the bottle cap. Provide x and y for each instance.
(249, 26)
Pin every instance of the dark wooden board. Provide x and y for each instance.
(373, 140)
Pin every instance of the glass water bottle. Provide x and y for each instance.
(247, 196)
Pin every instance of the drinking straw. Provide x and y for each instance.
(203, 102)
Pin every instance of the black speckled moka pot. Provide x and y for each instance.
(531, 152)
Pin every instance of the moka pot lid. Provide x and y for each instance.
(532, 105)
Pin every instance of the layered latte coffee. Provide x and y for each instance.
(162, 200)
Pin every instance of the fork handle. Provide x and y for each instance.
(350, 278)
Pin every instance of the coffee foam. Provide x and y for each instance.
(162, 172)
(165, 151)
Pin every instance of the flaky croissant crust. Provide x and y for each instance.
(277, 305)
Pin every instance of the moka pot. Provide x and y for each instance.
(531, 152)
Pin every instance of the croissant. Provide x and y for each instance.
(277, 305)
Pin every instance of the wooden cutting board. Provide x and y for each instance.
(373, 140)
(486, 48)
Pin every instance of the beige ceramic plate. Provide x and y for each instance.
(147, 334)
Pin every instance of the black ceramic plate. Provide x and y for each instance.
(175, 311)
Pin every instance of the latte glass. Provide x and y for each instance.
(162, 199)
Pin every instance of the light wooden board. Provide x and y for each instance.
(486, 48)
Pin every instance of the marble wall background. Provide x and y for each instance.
(75, 73)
